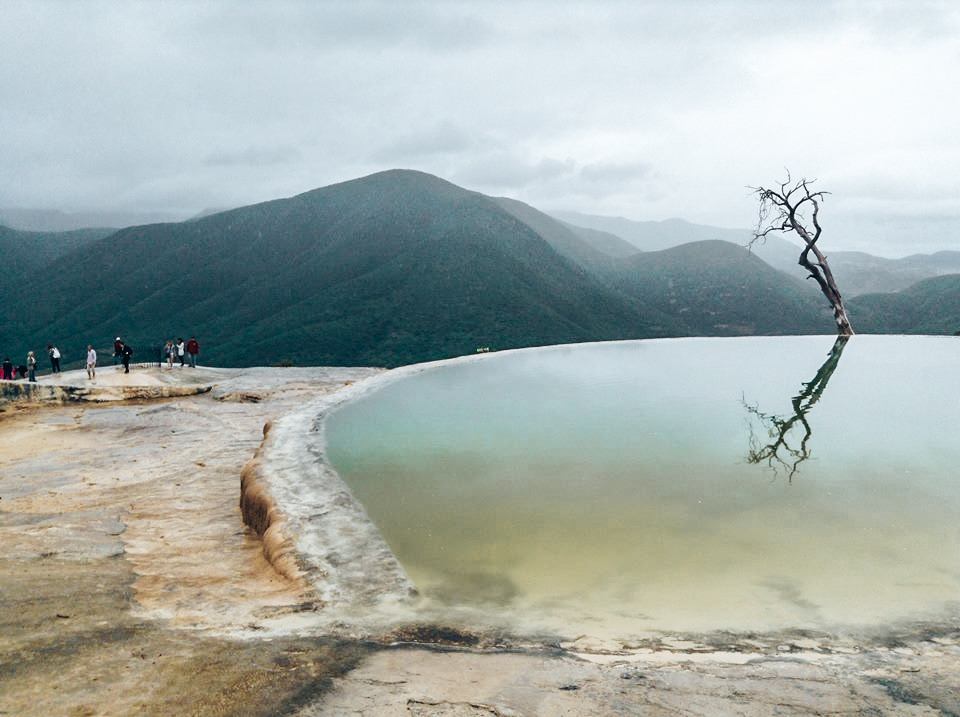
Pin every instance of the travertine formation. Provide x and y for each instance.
(311, 524)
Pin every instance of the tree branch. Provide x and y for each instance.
(780, 212)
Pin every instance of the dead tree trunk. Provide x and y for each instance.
(795, 209)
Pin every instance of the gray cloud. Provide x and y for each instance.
(442, 139)
(648, 110)
(253, 156)
(504, 170)
(358, 24)
(605, 172)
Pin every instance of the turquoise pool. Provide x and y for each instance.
(688, 484)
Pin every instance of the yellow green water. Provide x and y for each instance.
(618, 488)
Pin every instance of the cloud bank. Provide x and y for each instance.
(647, 110)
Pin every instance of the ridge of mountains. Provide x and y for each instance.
(24, 252)
(54, 220)
(399, 267)
(856, 272)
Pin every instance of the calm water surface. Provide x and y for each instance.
(689, 484)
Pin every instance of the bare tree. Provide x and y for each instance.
(793, 208)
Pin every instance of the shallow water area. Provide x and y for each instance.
(689, 484)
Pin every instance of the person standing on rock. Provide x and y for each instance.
(169, 351)
(181, 351)
(54, 353)
(126, 352)
(91, 362)
(193, 349)
(117, 350)
(32, 366)
(7, 369)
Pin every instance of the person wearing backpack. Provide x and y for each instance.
(181, 350)
(32, 366)
(126, 352)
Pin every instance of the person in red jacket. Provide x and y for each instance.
(193, 349)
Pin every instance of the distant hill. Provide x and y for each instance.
(716, 288)
(25, 253)
(709, 287)
(604, 241)
(856, 272)
(931, 306)
(654, 235)
(400, 267)
(562, 237)
(860, 273)
(52, 220)
(389, 269)
(209, 211)
(776, 251)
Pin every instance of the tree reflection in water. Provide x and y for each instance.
(788, 448)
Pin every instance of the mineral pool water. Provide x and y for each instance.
(684, 484)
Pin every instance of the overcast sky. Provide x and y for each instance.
(647, 110)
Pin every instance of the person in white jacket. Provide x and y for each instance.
(54, 354)
(91, 363)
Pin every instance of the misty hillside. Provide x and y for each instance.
(860, 273)
(931, 306)
(777, 251)
(24, 254)
(389, 269)
(654, 235)
(392, 268)
(589, 254)
(603, 241)
(856, 272)
(716, 288)
(52, 220)
(709, 287)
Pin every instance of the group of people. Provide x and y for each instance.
(9, 372)
(179, 351)
(122, 352)
(28, 370)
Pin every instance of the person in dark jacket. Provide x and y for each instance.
(193, 350)
(126, 352)
(117, 350)
(7, 369)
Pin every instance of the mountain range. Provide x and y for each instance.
(856, 272)
(400, 267)
(52, 220)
